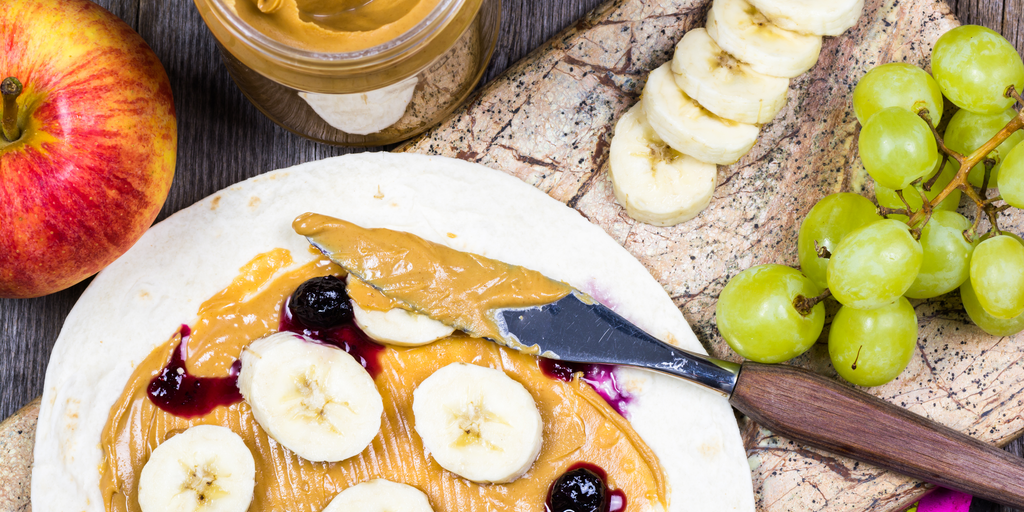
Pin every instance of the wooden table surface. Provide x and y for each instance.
(223, 139)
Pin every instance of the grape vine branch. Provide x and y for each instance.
(987, 208)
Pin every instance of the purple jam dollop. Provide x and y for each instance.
(601, 377)
(584, 488)
(182, 394)
(346, 336)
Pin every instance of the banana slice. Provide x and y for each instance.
(690, 128)
(740, 29)
(388, 324)
(314, 399)
(725, 86)
(205, 468)
(400, 327)
(478, 423)
(380, 496)
(653, 182)
(818, 17)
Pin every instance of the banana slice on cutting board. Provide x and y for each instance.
(314, 399)
(818, 17)
(392, 325)
(655, 183)
(690, 128)
(205, 468)
(380, 496)
(478, 423)
(725, 86)
(742, 31)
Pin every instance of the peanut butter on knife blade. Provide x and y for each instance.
(441, 282)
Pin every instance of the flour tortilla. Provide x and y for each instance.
(140, 300)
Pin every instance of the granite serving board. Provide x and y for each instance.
(548, 120)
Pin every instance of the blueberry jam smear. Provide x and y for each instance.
(583, 488)
(321, 303)
(182, 394)
(601, 377)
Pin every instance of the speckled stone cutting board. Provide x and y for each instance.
(548, 120)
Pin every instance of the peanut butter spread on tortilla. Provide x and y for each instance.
(332, 26)
(431, 278)
(578, 424)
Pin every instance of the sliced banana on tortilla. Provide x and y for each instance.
(690, 128)
(206, 468)
(387, 323)
(727, 87)
(478, 423)
(314, 399)
(400, 327)
(380, 496)
(743, 31)
(653, 182)
(818, 17)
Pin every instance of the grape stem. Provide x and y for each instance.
(1012, 93)
(804, 305)
(966, 164)
(886, 212)
(822, 251)
(931, 182)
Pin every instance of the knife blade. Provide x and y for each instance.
(579, 329)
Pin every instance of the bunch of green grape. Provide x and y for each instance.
(870, 263)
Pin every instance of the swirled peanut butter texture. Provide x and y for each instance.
(578, 424)
(332, 25)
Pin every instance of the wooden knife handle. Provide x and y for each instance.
(827, 414)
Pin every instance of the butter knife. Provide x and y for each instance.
(787, 400)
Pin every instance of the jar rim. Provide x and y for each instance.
(405, 42)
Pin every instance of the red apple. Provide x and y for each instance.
(94, 159)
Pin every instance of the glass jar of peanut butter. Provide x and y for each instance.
(355, 72)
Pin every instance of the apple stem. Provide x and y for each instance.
(11, 88)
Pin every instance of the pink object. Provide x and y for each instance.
(944, 500)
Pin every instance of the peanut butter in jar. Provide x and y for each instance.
(354, 72)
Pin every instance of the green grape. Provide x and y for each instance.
(1011, 183)
(988, 323)
(887, 197)
(968, 131)
(872, 347)
(827, 223)
(756, 316)
(874, 265)
(997, 276)
(897, 84)
(947, 256)
(974, 65)
(897, 147)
